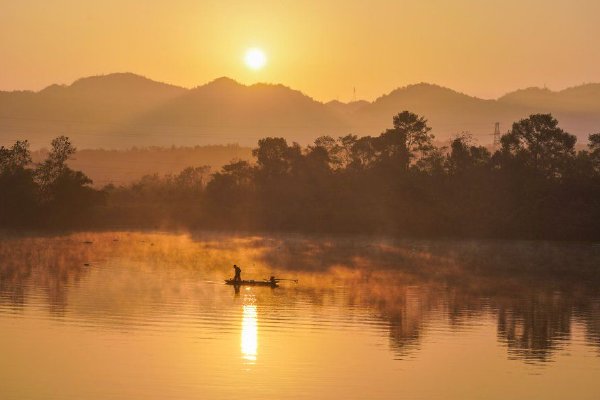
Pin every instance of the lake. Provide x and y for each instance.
(145, 315)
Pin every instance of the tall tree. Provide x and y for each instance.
(408, 141)
(18, 191)
(465, 157)
(56, 162)
(67, 196)
(540, 145)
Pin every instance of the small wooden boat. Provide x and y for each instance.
(250, 283)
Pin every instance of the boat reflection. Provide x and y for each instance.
(249, 341)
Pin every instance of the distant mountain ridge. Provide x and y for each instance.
(123, 110)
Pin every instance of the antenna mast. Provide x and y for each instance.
(496, 135)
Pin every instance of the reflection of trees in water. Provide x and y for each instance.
(536, 290)
(133, 270)
(463, 307)
(407, 317)
(409, 284)
(405, 309)
(536, 325)
(52, 264)
(12, 284)
(49, 265)
(533, 320)
(589, 312)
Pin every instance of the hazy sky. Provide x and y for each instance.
(324, 48)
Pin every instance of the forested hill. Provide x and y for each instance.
(125, 110)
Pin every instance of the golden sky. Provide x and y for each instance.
(323, 48)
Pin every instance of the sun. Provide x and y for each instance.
(255, 58)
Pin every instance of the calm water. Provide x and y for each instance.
(149, 318)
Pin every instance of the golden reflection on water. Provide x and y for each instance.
(364, 314)
(249, 343)
(249, 333)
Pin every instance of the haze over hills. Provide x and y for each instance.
(225, 111)
(122, 167)
(124, 110)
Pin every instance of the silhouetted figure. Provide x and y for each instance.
(238, 273)
(273, 280)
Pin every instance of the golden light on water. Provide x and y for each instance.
(249, 343)
(170, 333)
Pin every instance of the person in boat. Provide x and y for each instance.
(238, 273)
(273, 280)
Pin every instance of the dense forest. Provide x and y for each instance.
(534, 186)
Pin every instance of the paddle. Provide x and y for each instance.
(284, 279)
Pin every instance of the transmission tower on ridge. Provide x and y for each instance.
(496, 135)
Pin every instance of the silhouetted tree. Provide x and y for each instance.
(594, 146)
(18, 191)
(407, 141)
(17, 157)
(56, 162)
(230, 194)
(331, 151)
(191, 181)
(540, 145)
(66, 195)
(535, 186)
(465, 157)
(363, 152)
(274, 157)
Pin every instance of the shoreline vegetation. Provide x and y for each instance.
(535, 186)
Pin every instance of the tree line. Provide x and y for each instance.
(535, 186)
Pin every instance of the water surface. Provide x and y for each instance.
(126, 315)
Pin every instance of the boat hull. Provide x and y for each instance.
(249, 283)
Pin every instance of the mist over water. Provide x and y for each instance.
(146, 315)
(409, 190)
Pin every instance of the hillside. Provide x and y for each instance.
(450, 112)
(225, 111)
(124, 110)
(88, 110)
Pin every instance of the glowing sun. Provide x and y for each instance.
(255, 58)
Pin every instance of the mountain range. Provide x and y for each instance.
(122, 110)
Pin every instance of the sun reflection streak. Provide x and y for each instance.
(249, 343)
